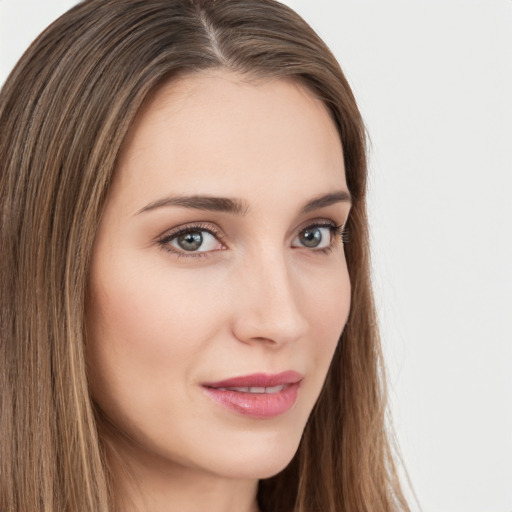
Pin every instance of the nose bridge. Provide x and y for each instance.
(269, 305)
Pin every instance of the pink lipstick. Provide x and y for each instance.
(259, 395)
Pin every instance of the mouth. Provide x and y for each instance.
(258, 395)
(258, 390)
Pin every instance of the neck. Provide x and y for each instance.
(146, 483)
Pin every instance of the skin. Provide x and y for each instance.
(162, 321)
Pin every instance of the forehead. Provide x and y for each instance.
(219, 133)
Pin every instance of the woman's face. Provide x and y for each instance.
(219, 257)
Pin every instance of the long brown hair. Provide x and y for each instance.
(64, 112)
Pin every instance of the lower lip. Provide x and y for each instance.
(256, 405)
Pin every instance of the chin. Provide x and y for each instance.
(259, 467)
(256, 457)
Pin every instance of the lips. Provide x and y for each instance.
(259, 395)
(261, 380)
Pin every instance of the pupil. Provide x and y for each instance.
(311, 237)
(190, 241)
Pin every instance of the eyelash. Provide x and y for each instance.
(335, 229)
(164, 242)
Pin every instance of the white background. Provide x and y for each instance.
(434, 83)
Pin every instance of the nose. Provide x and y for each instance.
(269, 303)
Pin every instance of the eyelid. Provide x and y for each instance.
(193, 226)
(164, 240)
(320, 223)
(335, 231)
(328, 224)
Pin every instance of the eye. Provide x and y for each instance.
(191, 239)
(316, 236)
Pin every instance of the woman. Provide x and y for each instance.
(182, 327)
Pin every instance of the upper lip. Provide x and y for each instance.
(260, 380)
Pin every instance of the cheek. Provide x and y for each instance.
(328, 303)
(327, 307)
(143, 300)
(144, 331)
(337, 306)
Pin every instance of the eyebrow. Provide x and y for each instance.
(207, 203)
(323, 201)
(237, 206)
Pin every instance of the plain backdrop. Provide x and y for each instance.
(434, 83)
